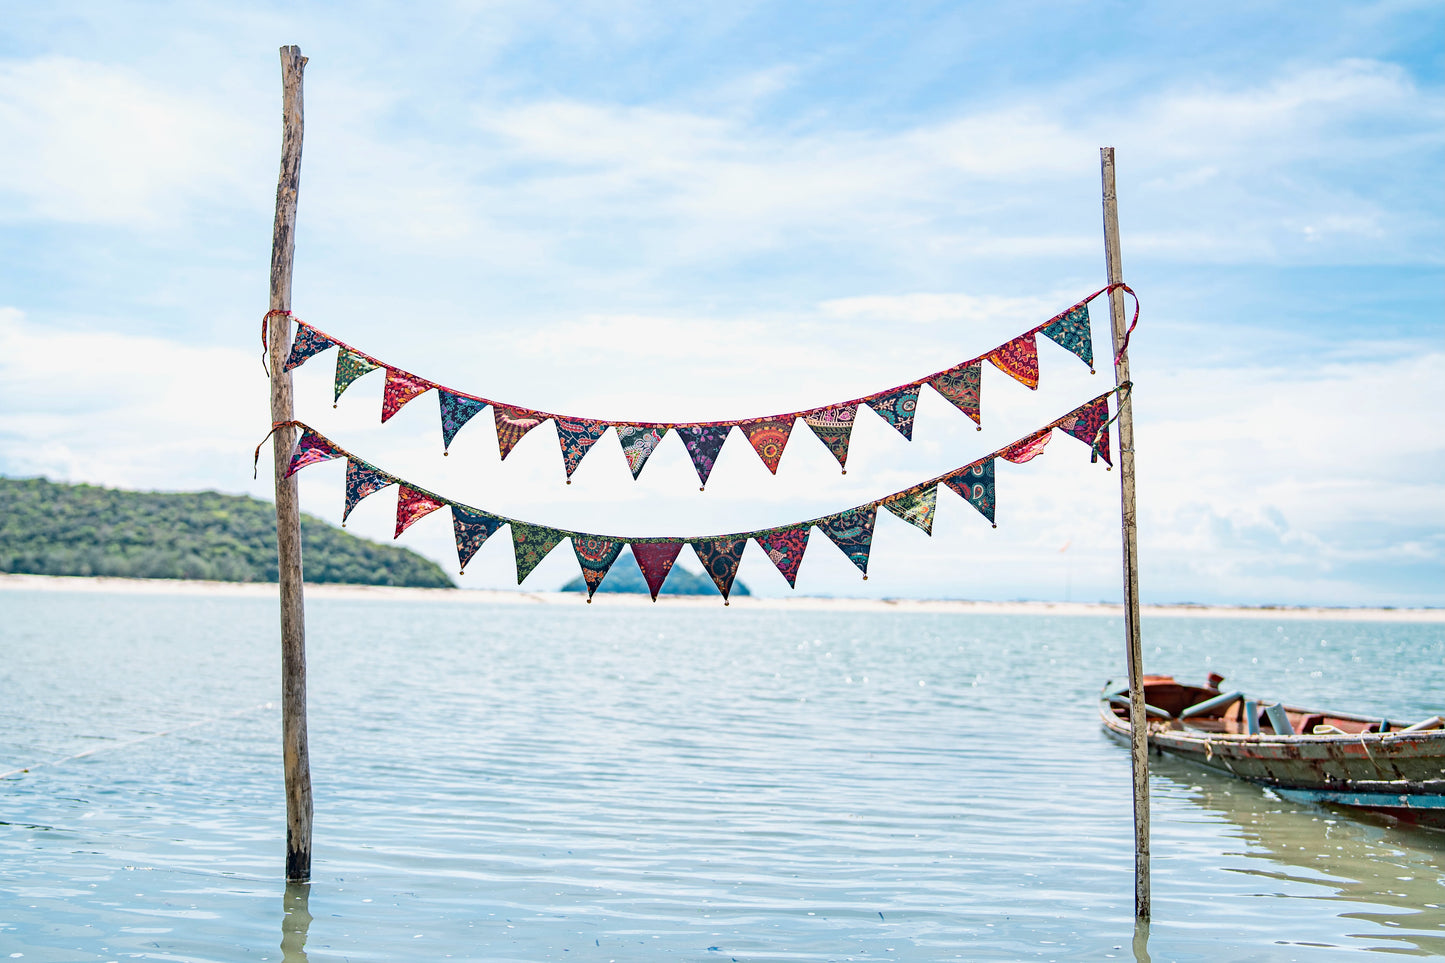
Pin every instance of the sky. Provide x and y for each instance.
(655, 211)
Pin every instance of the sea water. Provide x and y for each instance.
(560, 782)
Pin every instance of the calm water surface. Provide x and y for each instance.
(609, 783)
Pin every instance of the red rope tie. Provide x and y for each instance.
(265, 336)
(1118, 356)
(275, 427)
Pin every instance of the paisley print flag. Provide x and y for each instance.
(1088, 422)
(472, 529)
(310, 449)
(960, 385)
(456, 410)
(974, 483)
(400, 388)
(309, 342)
(655, 561)
(411, 507)
(1019, 359)
(596, 555)
(852, 531)
(915, 507)
(1071, 332)
(512, 424)
(785, 546)
(638, 443)
(720, 558)
(532, 543)
(833, 426)
(577, 438)
(362, 480)
(897, 408)
(703, 443)
(349, 366)
(769, 436)
(1027, 449)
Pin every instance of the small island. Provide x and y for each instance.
(625, 576)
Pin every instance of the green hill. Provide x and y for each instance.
(56, 529)
(624, 576)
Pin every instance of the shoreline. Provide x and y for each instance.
(128, 586)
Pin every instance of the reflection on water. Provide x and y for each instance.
(1141, 941)
(295, 922)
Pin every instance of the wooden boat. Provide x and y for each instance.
(1305, 755)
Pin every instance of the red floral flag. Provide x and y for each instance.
(769, 436)
(785, 547)
(655, 560)
(400, 388)
(1028, 448)
(512, 424)
(1019, 359)
(411, 506)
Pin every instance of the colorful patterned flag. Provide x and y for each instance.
(532, 543)
(720, 558)
(769, 436)
(1071, 332)
(456, 410)
(852, 531)
(1028, 448)
(785, 546)
(577, 436)
(472, 529)
(1019, 359)
(310, 449)
(897, 408)
(975, 484)
(596, 556)
(1087, 423)
(915, 507)
(400, 388)
(512, 424)
(411, 507)
(703, 443)
(961, 385)
(655, 561)
(362, 480)
(349, 366)
(834, 426)
(638, 443)
(309, 342)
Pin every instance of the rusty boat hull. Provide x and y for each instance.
(1334, 758)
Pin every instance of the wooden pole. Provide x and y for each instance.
(1138, 723)
(296, 758)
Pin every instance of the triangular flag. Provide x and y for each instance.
(400, 388)
(785, 547)
(1070, 331)
(349, 366)
(531, 544)
(577, 436)
(852, 531)
(834, 427)
(720, 558)
(512, 424)
(1027, 449)
(960, 385)
(1019, 359)
(362, 480)
(915, 507)
(1088, 423)
(310, 449)
(769, 436)
(308, 342)
(974, 483)
(655, 560)
(703, 442)
(472, 531)
(456, 411)
(638, 443)
(897, 408)
(411, 506)
(595, 555)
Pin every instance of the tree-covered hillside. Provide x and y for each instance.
(55, 529)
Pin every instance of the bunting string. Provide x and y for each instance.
(831, 424)
(850, 530)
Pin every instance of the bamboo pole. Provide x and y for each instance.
(296, 758)
(1138, 723)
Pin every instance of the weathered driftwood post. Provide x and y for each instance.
(297, 760)
(1138, 723)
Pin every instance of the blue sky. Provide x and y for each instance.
(641, 211)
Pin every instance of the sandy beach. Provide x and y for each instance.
(53, 583)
